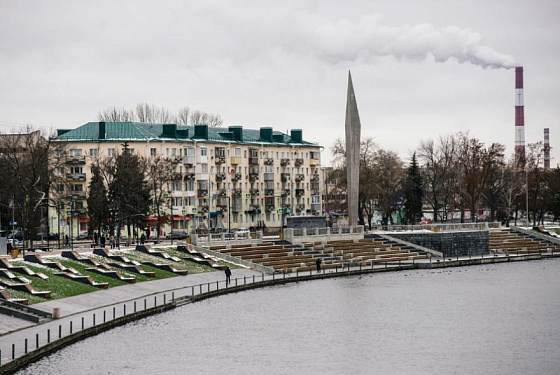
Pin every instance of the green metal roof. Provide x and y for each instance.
(138, 131)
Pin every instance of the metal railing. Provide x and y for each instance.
(438, 227)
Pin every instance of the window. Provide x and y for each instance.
(93, 152)
(76, 152)
(75, 169)
(60, 188)
(153, 152)
(178, 201)
(204, 168)
(245, 154)
(173, 151)
(111, 152)
(283, 155)
(237, 152)
(203, 152)
(129, 151)
(77, 187)
(177, 186)
(78, 205)
(60, 170)
(189, 151)
(189, 185)
(314, 199)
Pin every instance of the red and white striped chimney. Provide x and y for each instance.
(519, 117)
(546, 148)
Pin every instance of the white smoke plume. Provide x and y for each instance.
(368, 38)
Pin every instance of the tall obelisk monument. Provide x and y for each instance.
(353, 128)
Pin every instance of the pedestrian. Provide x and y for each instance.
(112, 242)
(66, 240)
(228, 275)
(102, 242)
(318, 264)
(95, 238)
(142, 239)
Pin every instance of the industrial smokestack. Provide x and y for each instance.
(546, 148)
(519, 117)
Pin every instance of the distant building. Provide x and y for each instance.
(253, 173)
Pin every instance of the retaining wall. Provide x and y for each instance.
(450, 244)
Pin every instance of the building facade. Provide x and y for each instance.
(225, 178)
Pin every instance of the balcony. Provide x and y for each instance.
(189, 160)
(269, 176)
(253, 176)
(285, 192)
(237, 207)
(269, 161)
(81, 159)
(254, 192)
(268, 192)
(315, 177)
(177, 176)
(202, 176)
(300, 207)
(222, 193)
(300, 177)
(269, 208)
(314, 162)
(236, 177)
(201, 193)
(77, 195)
(235, 160)
(237, 192)
(315, 192)
(300, 192)
(298, 162)
(285, 177)
(190, 193)
(253, 161)
(220, 160)
(189, 176)
(76, 176)
(177, 159)
(220, 176)
(203, 209)
(202, 159)
(284, 162)
(221, 207)
(315, 206)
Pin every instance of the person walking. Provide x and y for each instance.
(228, 275)
(112, 242)
(142, 239)
(318, 264)
(102, 242)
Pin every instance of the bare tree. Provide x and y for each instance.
(32, 167)
(438, 173)
(512, 187)
(149, 113)
(183, 116)
(114, 114)
(476, 163)
(161, 172)
(199, 117)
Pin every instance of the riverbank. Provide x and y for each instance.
(29, 344)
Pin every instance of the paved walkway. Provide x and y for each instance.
(104, 302)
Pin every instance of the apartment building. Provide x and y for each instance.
(232, 177)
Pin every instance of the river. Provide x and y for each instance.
(491, 319)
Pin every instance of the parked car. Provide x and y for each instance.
(242, 231)
(83, 237)
(177, 235)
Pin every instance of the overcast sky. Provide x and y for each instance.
(420, 68)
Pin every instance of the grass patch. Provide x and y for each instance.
(557, 230)
(31, 298)
(82, 269)
(59, 286)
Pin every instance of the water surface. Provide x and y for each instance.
(494, 319)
